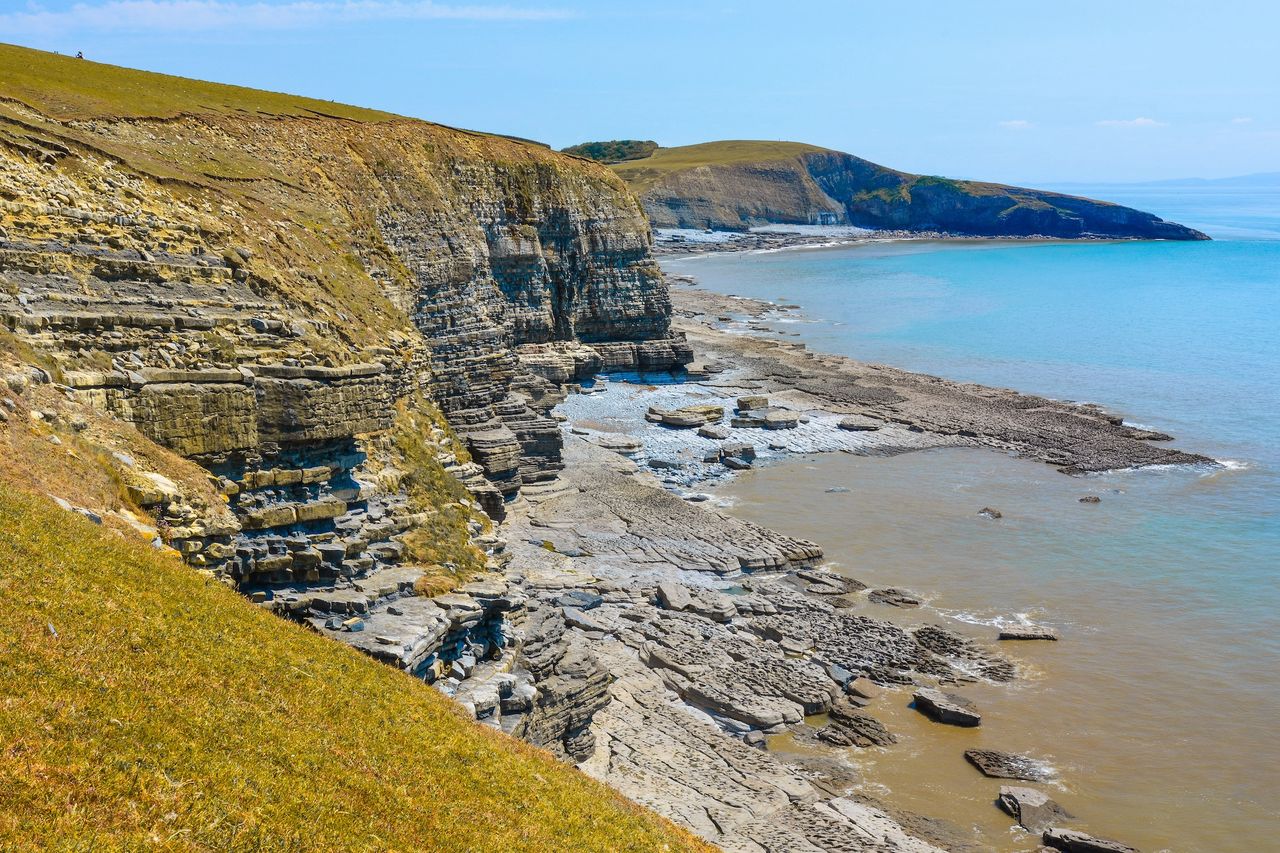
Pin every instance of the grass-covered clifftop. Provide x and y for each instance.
(737, 184)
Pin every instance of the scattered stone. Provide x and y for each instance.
(581, 599)
(850, 727)
(624, 444)
(1006, 765)
(1026, 632)
(838, 490)
(579, 618)
(1032, 809)
(354, 624)
(862, 686)
(856, 424)
(1091, 499)
(949, 708)
(990, 512)
(751, 402)
(736, 464)
(690, 416)
(673, 596)
(744, 450)
(714, 431)
(893, 598)
(1078, 842)
(756, 739)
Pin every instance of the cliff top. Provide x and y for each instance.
(67, 88)
(642, 174)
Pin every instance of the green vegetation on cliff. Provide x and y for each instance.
(613, 151)
(148, 706)
(738, 184)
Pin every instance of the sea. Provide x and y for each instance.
(1156, 711)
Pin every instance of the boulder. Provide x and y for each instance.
(990, 512)
(1078, 842)
(1091, 499)
(740, 450)
(751, 402)
(946, 708)
(735, 464)
(673, 596)
(1006, 765)
(1032, 809)
(715, 606)
(714, 431)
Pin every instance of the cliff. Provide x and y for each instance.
(310, 349)
(735, 185)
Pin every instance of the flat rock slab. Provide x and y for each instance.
(1006, 765)
(689, 416)
(1078, 842)
(1027, 632)
(857, 424)
(1032, 809)
(893, 598)
(946, 708)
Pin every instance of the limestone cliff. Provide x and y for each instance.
(736, 185)
(353, 322)
(238, 271)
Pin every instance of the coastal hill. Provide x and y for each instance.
(735, 185)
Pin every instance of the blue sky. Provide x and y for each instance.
(1013, 91)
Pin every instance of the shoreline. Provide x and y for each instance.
(703, 637)
(688, 243)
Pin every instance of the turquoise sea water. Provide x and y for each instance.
(1181, 574)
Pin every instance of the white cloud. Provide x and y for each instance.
(194, 15)
(1132, 122)
(1242, 120)
(1015, 124)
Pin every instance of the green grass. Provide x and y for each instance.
(65, 88)
(641, 174)
(144, 706)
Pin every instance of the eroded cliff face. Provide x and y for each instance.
(355, 326)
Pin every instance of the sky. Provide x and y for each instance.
(1020, 92)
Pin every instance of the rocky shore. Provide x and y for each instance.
(694, 640)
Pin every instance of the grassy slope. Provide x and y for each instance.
(168, 710)
(642, 174)
(79, 89)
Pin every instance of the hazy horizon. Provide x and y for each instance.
(1014, 93)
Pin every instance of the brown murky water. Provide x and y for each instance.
(1158, 723)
